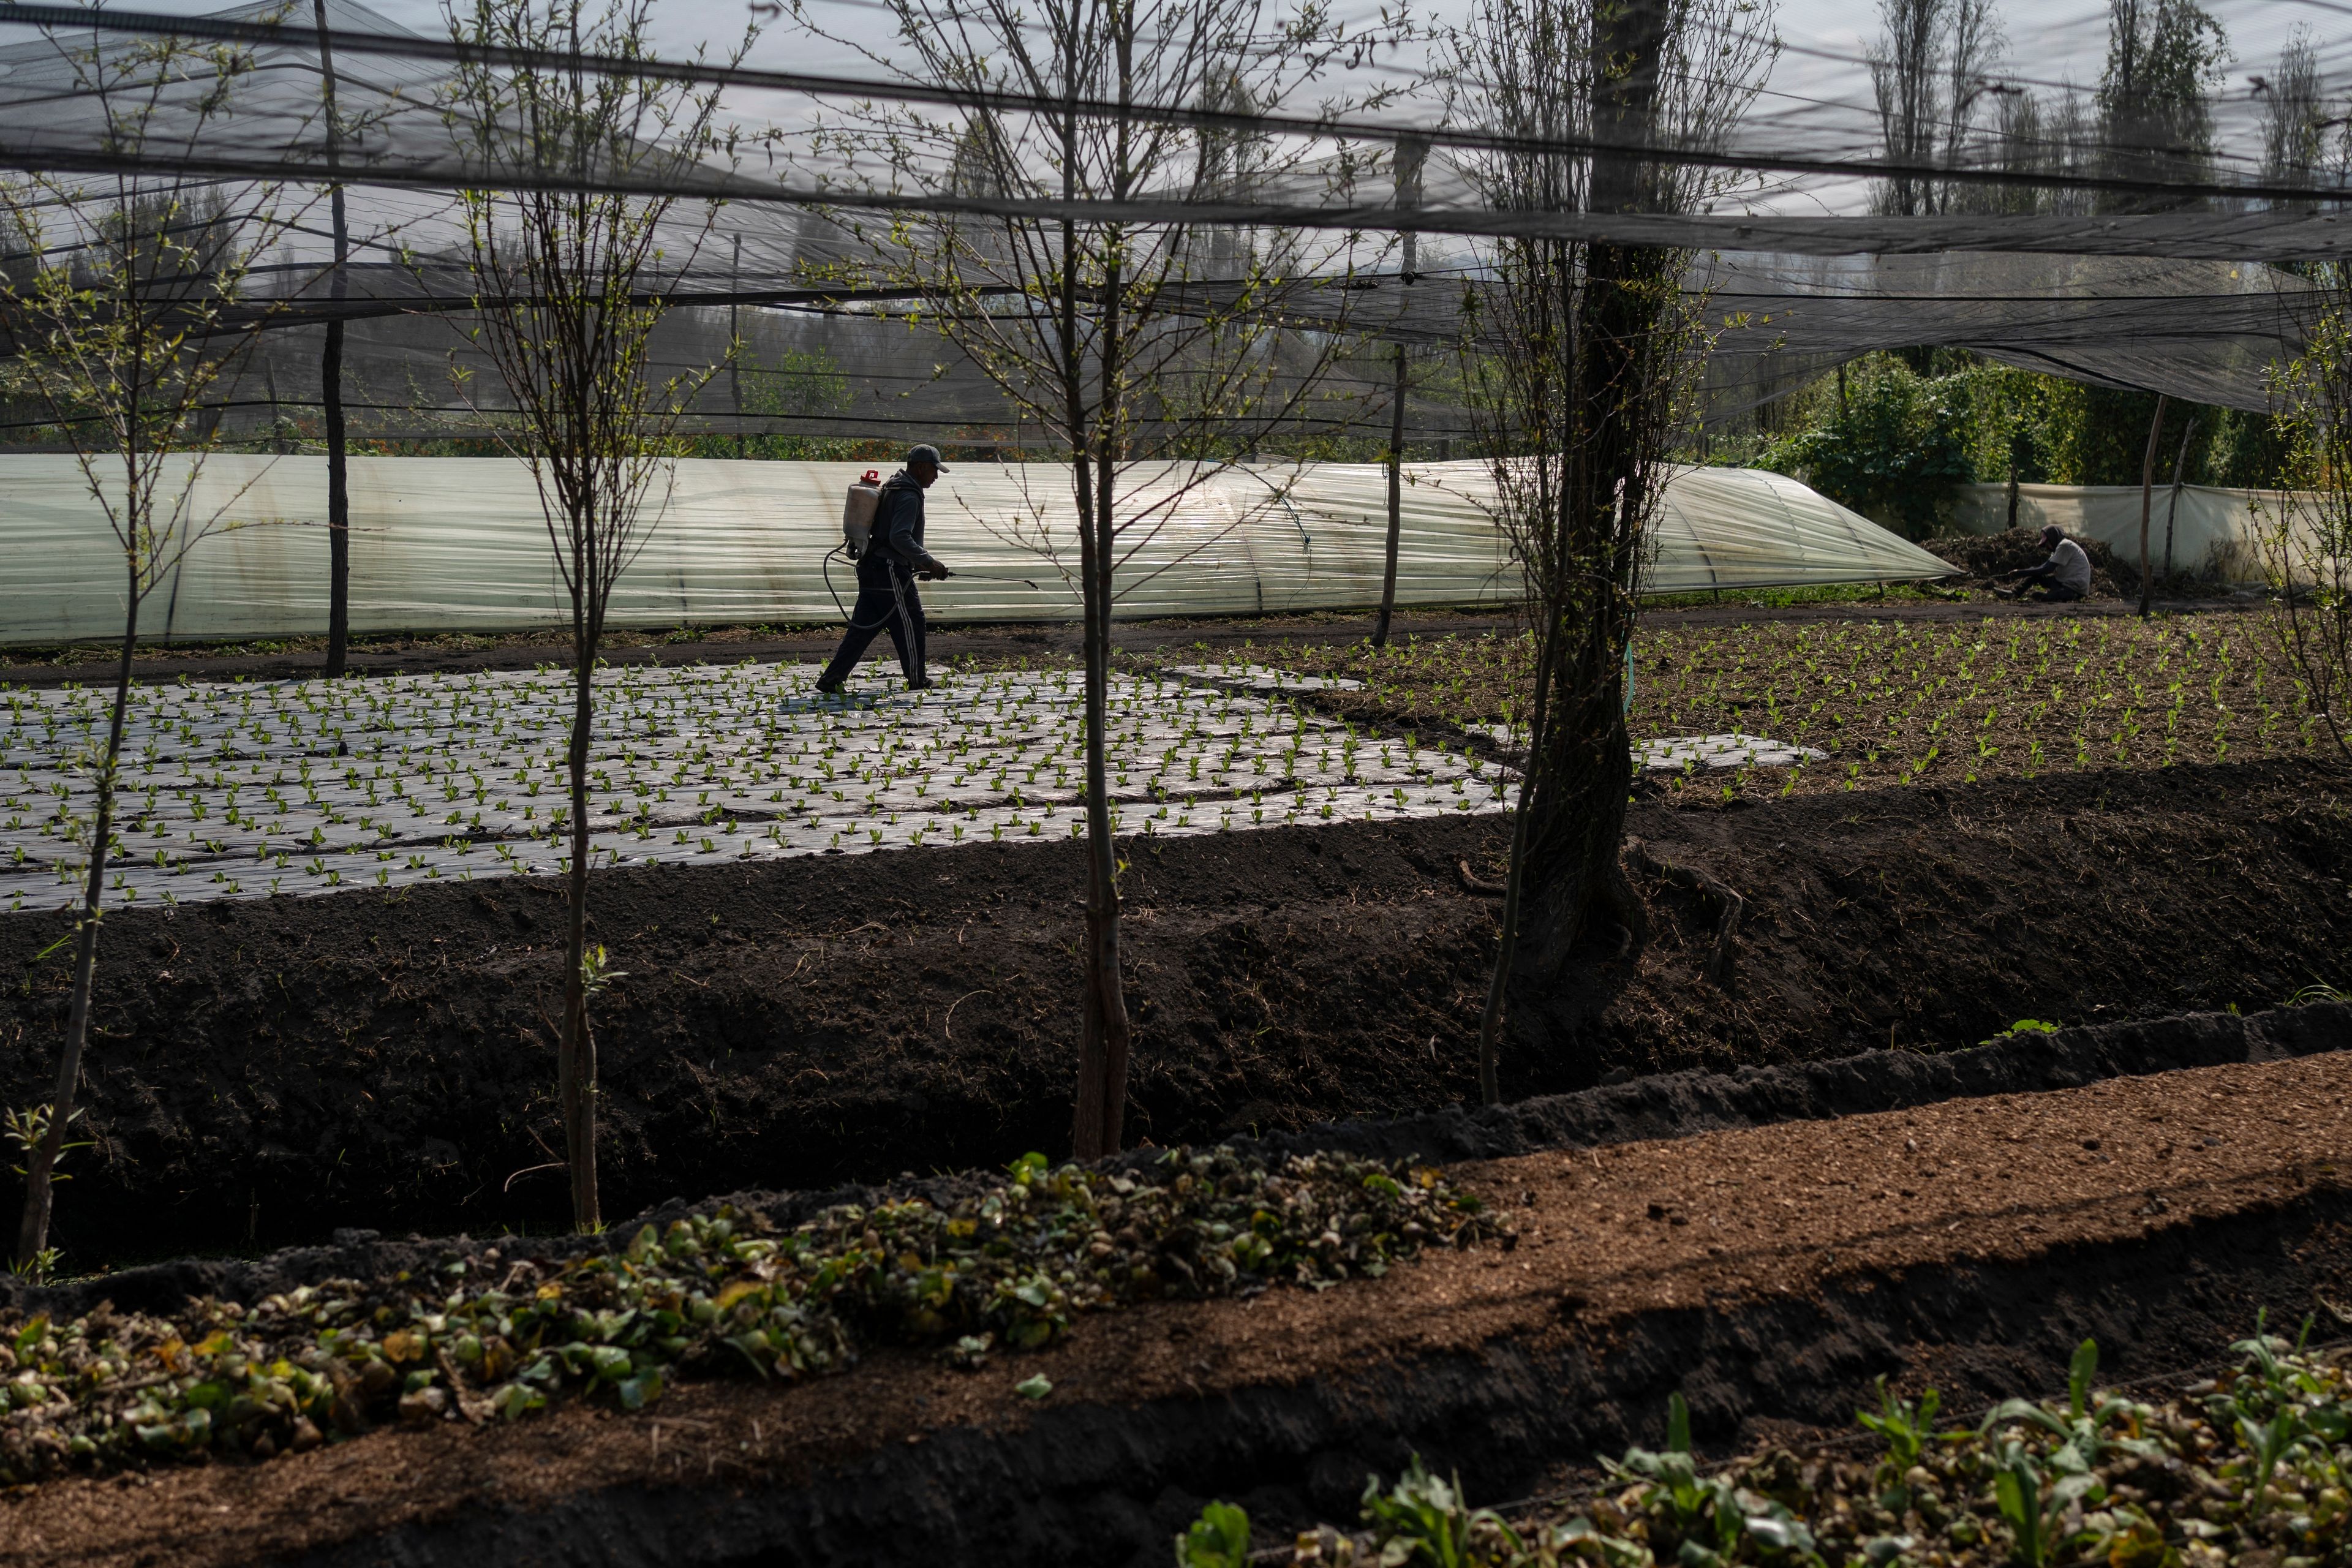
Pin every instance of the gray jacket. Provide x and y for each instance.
(898, 522)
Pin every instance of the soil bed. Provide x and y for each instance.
(295, 658)
(1766, 1273)
(1891, 700)
(299, 658)
(264, 1072)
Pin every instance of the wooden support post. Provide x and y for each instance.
(1396, 504)
(2147, 504)
(735, 344)
(2172, 506)
(331, 382)
(1410, 153)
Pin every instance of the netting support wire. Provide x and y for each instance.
(77, 18)
(2239, 238)
(1410, 156)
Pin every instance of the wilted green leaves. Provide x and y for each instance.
(2248, 1468)
(487, 1338)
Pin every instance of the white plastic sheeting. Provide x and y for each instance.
(458, 544)
(2213, 531)
(1744, 528)
(248, 789)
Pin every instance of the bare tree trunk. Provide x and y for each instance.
(575, 1068)
(330, 381)
(1396, 504)
(32, 1234)
(1490, 1023)
(1580, 785)
(1577, 792)
(1580, 762)
(338, 495)
(735, 341)
(1096, 1124)
(1098, 1127)
(2172, 506)
(277, 418)
(1409, 153)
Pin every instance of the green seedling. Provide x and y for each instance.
(2027, 1498)
(1425, 1522)
(1220, 1538)
(2268, 1442)
(1906, 1424)
(26, 1129)
(596, 971)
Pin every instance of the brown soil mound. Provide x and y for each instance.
(263, 1072)
(1985, 557)
(1766, 1274)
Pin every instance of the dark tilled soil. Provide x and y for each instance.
(423, 655)
(304, 658)
(264, 1072)
(1767, 1274)
(1659, 1107)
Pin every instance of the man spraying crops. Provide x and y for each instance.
(887, 571)
(2064, 578)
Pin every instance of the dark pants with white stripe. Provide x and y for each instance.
(887, 601)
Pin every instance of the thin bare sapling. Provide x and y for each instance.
(567, 282)
(1150, 356)
(127, 307)
(2306, 533)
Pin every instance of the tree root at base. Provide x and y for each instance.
(1728, 905)
(1474, 883)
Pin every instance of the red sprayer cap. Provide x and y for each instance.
(873, 476)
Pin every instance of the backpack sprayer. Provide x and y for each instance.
(857, 516)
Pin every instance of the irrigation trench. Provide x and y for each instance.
(1766, 1242)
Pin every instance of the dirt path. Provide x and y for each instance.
(1767, 1273)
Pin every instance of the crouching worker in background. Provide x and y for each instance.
(2064, 578)
(887, 599)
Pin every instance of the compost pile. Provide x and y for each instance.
(2248, 1468)
(1984, 557)
(479, 1338)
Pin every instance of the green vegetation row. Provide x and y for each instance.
(2245, 1470)
(1899, 702)
(481, 1338)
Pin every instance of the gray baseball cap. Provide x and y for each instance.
(926, 453)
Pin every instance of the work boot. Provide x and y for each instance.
(924, 684)
(828, 687)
